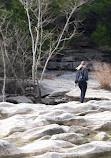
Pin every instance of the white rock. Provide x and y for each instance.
(102, 136)
(12, 124)
(78, 129)
(106, 126)
(57, 129)
(49, 155)
(70, 137)
(96, 148)
(92, 148)
(75, 107)
(42, 146)
(98, 119)
(39, 132)
(7, 149)
(91, 94)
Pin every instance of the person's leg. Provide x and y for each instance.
(83, 87)
(81, 95)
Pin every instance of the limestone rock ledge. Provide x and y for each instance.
(66, 130)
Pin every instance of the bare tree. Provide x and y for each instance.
(20, 57)
(56, 36)
(4, 79)
(13, 54)
(3, 51)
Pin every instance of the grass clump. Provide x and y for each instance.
(102, 73)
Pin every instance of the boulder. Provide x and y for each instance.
(79, 129)
(70, 137)
(58, 93)
(19, 99)
(13, 124)
(75, 107)
(94, 149)
(56, 97)
(9, 109)
(104, 127)
(97, 120)
(40, 132)
(102, 136)
(39, 147)
(7, 149)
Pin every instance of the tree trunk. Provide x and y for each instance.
(4, 79)
(37, 90)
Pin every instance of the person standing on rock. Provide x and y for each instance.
(81, 79)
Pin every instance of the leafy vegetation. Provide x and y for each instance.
(100, 18)
(16, 10)
(97, 21)
(15, 30)
(97, 15)
(16, 40)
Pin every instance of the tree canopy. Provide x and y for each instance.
(100, 12)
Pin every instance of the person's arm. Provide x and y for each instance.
(76, 79)
(86, 74)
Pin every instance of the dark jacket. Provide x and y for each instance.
(84, 72)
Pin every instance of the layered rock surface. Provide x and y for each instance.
(81, 49)
(65, 130)
(56, 131)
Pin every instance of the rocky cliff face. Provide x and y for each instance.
(82, 49)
